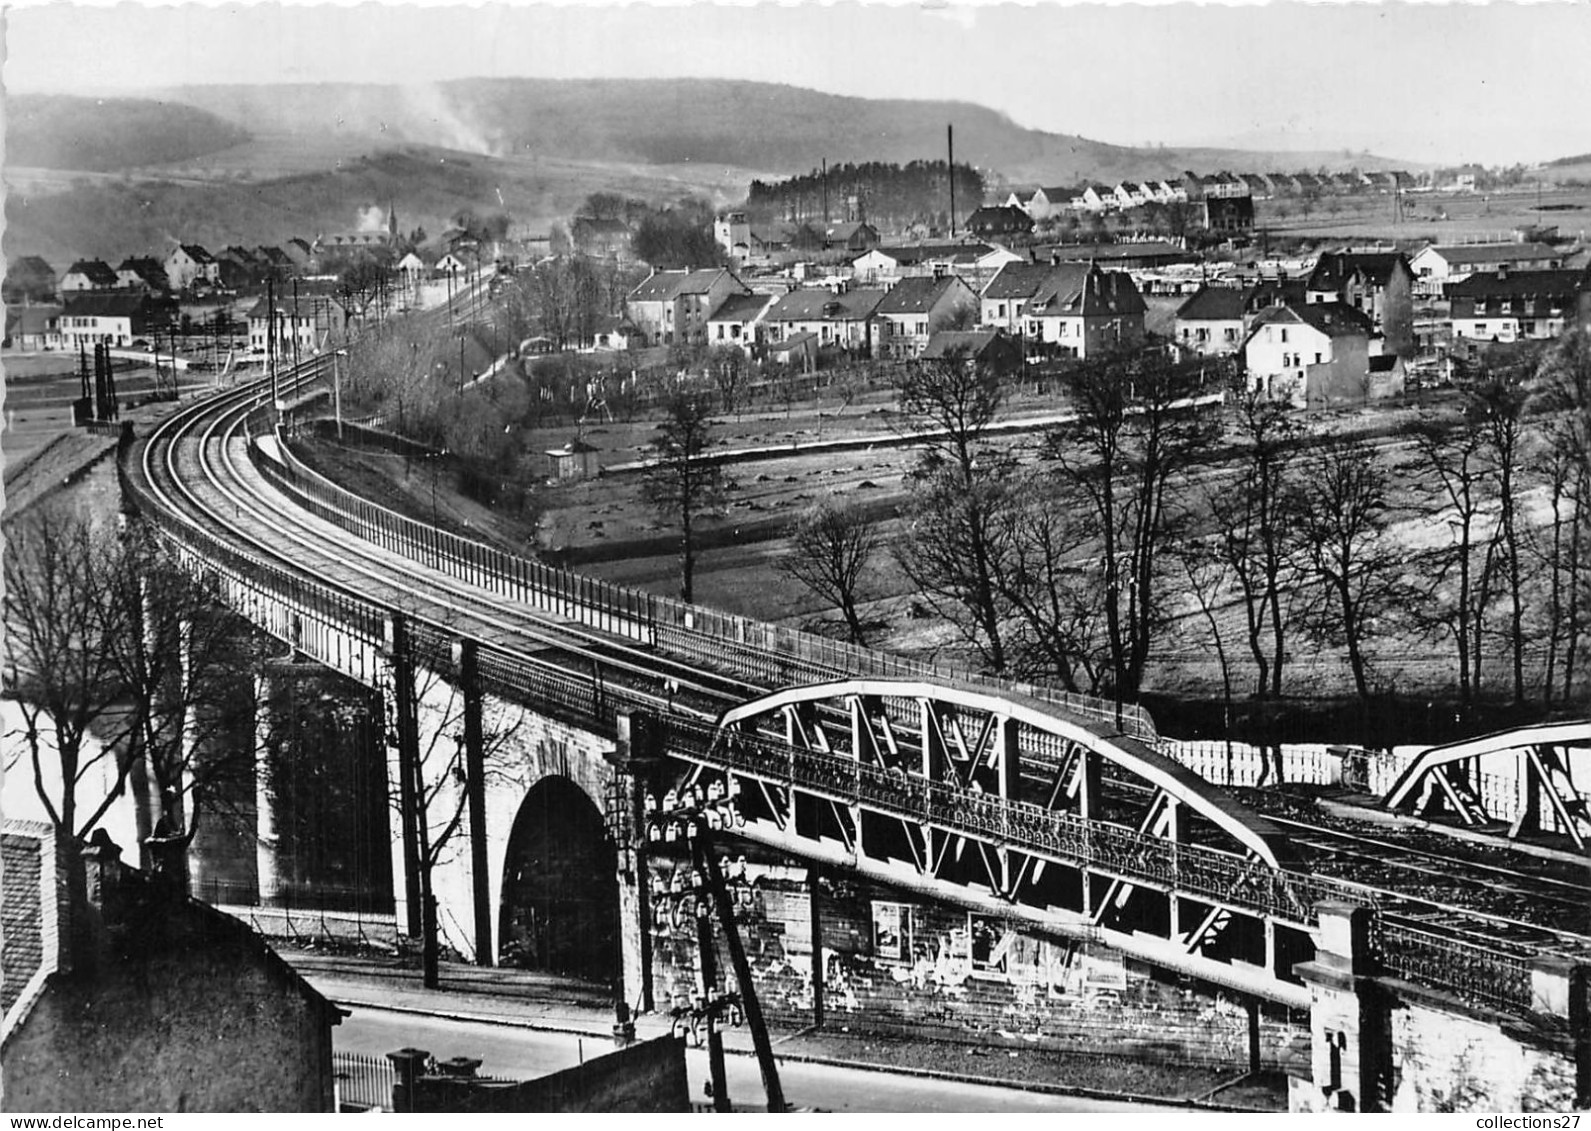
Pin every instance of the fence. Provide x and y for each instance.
(749, 648)
(1242, 764)
(327, 621)
(326, 914)
(363, 1083)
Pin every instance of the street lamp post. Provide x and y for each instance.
(337, 390)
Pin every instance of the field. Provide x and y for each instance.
(40, 389)
(603, 528)
(1438, 217)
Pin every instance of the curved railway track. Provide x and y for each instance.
(196, 467)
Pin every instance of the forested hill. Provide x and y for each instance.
(57, 131)
(762, 127)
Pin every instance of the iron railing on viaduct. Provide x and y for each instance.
(348, 633)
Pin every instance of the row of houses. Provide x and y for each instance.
(1093, 196)
(1494, 293)
(1075, 309)
(304, 322)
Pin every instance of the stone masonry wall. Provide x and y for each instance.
(894, 963)
(1445, 1062)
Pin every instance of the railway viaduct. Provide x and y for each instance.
(559, 709)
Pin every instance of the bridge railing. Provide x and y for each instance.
(348, 633)
(749, 648)
(1474, 971)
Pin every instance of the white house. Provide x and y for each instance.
(113, 320)
(1309, 354)
(1437, 266)
(1510, 306)
(736, 320)
(188, 264)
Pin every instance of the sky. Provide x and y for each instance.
(1427, 82)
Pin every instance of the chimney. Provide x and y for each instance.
(1502, 271)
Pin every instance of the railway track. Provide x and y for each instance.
(196, 465)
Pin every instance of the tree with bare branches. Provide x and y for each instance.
(1343, 510)
(1254, 537)
(959, 490)
(831, 550)
(683, 483)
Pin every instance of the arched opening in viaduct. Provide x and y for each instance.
(560, 900)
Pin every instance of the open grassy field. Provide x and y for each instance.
(1438, 217)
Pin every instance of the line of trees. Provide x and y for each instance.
(887, 192)
(1466, 535)
(124, 675)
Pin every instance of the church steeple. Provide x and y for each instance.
(392, 220)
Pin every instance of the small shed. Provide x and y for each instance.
(575, 460)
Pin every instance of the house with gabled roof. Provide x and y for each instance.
(1436, 266)
(139, 998)
(1095, 197)
(915, 309)
(1310, 355)
(998, 220)
(992, 348)
(143, 273)
(672, 306)
(1505, 305)
(1216, 320)
(1379, 284)
(850, 235)
(28, 278)
(112, 319)
(33, 327)
(1023, 199)
(736, 321)
(1131, 194)
(1006, 296)
(300, 251)
(303, 323)
(189, 264)
(1080, 310)
(836, 320)
(88, 275)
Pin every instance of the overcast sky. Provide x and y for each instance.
(1495, 83)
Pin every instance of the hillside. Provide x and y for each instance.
(743, 125)
(111, 217)
(95, 135)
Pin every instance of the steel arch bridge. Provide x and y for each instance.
(1011, 808)
(1535, 792)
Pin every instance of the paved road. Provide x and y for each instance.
(526, 1053)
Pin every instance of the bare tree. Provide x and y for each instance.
(1123, 465)
(1499, 401)
(1342, 511)
(189, 695)
(1563, 395)
(831, 550)
(1459, 583)
(62, 612)
(682, 482)
(125, 677)
(1255, 538)
(1048, 591)
(960, 487)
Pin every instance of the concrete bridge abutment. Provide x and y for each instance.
(1380, 1043)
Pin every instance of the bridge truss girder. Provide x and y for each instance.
(1447, 780)
(938, 790)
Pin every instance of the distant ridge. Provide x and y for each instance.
(764, 127)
